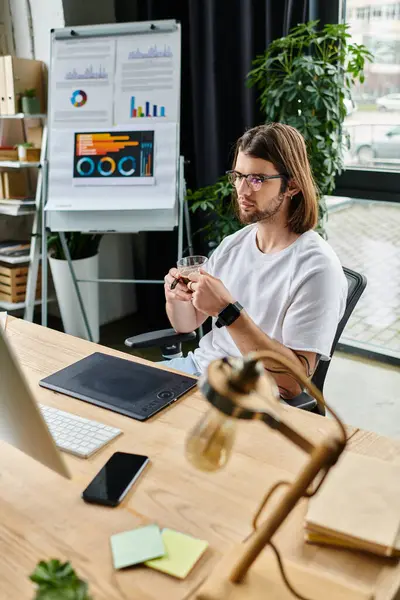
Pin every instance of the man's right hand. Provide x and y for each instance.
(180, 292)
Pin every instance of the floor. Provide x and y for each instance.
(365, 235)
(365, 394)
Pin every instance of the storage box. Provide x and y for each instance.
(8, 154)
(13, 280)
(21, 74)
(33, 154)
(14, 184)
(34, 135)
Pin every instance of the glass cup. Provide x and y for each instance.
(187, 265)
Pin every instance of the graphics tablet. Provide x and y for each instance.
(126, 387)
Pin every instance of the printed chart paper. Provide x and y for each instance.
(114, 131)
(83, 83)
(114, 158)
(135, 194)
(147, 79)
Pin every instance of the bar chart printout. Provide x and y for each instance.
(123, 157)
(147, 110)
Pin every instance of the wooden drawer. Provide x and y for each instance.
(13, 280)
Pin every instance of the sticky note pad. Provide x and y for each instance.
(133, 547)
(182, 553)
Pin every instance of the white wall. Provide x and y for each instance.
(46, 15)
(5, 20)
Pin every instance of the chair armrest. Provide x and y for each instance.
(303, 401)
(162, 337)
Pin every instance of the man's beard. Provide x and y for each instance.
(255, 216)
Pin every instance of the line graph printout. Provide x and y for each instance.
(83, 83)
(147, 78)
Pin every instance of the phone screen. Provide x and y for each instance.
(116, 477)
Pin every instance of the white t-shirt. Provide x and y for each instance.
(296, 296)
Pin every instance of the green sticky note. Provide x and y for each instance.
(134, 547)
(182, 553)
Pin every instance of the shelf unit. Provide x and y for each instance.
(11, 306)
(34, 208)
(17, 164)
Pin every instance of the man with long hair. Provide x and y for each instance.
(275, 284)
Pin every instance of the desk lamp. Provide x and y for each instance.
(241, 388)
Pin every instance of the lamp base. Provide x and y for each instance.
(264, 581)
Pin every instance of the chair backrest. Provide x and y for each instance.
(356, 285)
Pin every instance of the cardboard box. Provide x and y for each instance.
(8, 154)
(14, 184)
(34, 136)
(13, 280)
(22, 74)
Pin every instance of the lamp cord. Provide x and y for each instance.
(275, 487)
(320, 399)
(283, 573)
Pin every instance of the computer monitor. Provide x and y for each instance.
(21, 422)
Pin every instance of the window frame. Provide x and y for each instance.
(359, 182)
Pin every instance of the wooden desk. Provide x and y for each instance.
(43, 516)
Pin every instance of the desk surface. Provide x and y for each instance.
(43, 516)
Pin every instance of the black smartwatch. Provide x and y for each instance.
(228, 315)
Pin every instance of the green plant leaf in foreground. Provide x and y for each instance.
(58, 581)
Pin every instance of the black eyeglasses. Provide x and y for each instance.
(253, 180)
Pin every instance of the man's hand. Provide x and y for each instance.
(180, 292)
(210, 296)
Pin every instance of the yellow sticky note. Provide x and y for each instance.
(182, 553)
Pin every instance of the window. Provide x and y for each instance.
(376, 107)
(364, 218)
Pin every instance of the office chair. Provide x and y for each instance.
(171, 342)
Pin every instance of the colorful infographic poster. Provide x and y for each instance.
(114, 158)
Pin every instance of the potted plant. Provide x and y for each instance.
(58, 581)
(304, 80)
(216, 200)
(30, 103)
(84, 251)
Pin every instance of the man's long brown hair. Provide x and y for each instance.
(284, 147)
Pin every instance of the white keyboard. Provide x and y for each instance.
(76, 435)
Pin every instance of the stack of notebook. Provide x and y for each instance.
(358, 507)
(14, 251)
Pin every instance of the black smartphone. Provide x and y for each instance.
(115, 479)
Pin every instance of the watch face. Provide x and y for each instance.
(229, 314)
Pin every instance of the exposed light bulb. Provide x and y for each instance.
(209, 444)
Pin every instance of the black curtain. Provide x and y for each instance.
(220, 38)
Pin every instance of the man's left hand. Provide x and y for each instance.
(210, 296)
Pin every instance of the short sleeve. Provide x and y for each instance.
(312, 318)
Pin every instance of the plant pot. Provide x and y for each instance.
(22, 153)
(30, 106)
(85, 268)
